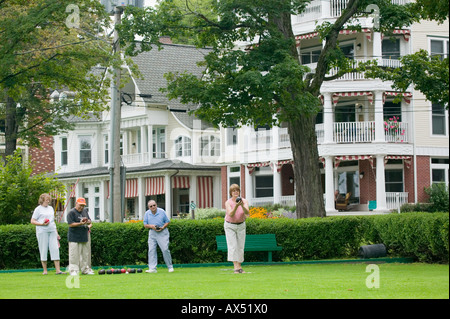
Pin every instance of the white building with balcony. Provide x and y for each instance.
(169, 155)
(380, 151)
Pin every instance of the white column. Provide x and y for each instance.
(168, 188)
(144, 144)
(150, 143)
(193, 189)
(329, 185)
(381, 187)
(276, 184)
(379, 121)
(248, 185)
(377, 53)
(142, 205)
(328, 122)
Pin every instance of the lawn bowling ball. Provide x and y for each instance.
(139, 270)
(109, 271)
(101, 272)
(123, 270)
(132, 270)
(46, 221)
(116, 271)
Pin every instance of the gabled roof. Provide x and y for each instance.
(174, 58)
(160, 166)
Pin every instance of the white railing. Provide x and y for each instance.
(337, 6)
(354, 132)
(391, 200)
(396, 132)
(393, 203)
(260, 140)
(283, 138)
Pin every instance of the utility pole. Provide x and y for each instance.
(115, 198)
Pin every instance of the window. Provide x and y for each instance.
(439, 47)
(348, 50)
(106, 147)
(394, 180)
(438, 119)
(231, 136)
(264, 186)
(390, 48)
(310, 55)
(439, 170)
(209, 146)
(391, 109)
(85, 149)
(64, 151)
(159, 142)
(183, 146)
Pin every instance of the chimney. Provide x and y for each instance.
(165, 40)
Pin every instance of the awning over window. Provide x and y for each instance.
(180, 182)
(131, 188)
(154, 186)
(205, 191)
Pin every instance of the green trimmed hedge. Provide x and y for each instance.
(423, 236)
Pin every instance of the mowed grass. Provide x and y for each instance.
(299, 281)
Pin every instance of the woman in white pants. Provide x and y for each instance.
(236, 212)
(46, 232)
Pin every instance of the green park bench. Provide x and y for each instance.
(262, 242)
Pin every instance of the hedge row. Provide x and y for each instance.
(423, 236)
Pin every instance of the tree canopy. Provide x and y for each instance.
(253, 74)
(48, 45)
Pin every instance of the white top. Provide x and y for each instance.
(40, 214)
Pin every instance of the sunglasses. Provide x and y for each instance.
(152, 205)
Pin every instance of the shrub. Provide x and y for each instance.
(209, 213)
(420, 235)
(439, 200)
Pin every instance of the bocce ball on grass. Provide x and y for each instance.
(109, 271)
(101, 272)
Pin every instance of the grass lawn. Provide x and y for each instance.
(299, 281)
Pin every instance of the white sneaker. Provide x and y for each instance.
(73, 273)
(171, 269)
(89, 272)
(151, 271)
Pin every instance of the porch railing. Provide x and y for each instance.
(391, 199)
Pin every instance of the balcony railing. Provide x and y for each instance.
(363, 132)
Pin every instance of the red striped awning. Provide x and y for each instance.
(406, 96)
(280, 164)
(311, 35)
(180, 182)
(154, 186)
(405, 32)
(251, 166)
(337, 95)
(339, 159)
(406, 159)
(205, 191)
(131, 188)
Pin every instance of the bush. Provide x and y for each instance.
(438, 197)
(209, 213)
(420, 235)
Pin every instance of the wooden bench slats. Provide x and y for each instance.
(261, 242)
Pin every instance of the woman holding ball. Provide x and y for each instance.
(46, 232)
(237, 211)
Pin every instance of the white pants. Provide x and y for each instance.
(235, 234)
(79, 257)
(46, 241)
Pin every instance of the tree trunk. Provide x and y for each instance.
(309, 194)
(11, 127)
(302, 132)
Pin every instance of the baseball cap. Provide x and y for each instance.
(81, 201)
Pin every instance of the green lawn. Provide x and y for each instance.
(300, 281)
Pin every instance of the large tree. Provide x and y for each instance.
(48, 45)
(265, 84)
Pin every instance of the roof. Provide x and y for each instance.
(160, 166)
(154, 64)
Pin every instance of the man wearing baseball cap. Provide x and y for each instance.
(78, 238)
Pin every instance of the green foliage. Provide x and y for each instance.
(439, 199)
(420, 235)
(20, 190)
(209, 213)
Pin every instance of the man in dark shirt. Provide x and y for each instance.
(78, 238)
